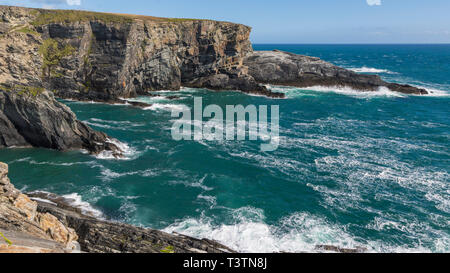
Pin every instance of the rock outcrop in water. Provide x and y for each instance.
(283, 68)
(52, 225)
(32, 117)
(105, 57)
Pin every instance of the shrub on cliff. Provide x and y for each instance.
(52, 54)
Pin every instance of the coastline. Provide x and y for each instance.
(71, 231)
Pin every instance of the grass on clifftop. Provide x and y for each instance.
(69, 16)
(45, 17)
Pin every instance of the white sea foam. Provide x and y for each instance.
(295, 92)
(298, 232)
(365, 69)
(166, 107)
(295, 233)
(128, 152)
(76, 201)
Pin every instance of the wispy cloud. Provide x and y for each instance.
(374, 2)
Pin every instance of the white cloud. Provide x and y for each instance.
(374, 2)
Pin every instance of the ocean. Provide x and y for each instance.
(353, 169)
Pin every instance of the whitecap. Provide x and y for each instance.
(76, 201)
(365, 69)
(129, 153)
(166, 107)
(250, 234)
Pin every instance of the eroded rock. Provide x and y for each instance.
(284, 68)
(19, 217)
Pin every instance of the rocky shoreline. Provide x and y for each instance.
(88, 56)
(46, 223)
(288, 69)
(43, 222)
(38, 120)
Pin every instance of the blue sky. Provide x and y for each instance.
(296, 21)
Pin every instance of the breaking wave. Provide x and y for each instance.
(365, 69)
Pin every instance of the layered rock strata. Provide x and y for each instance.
(51, 225)
(284, 68)
(32, 117)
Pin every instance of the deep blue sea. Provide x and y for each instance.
(353, 169)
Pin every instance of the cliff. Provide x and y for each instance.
(104, 57)
(32, 117)
(284, 68)
(98, 56)
(53, 226)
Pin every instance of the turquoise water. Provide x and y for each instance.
(353, 169)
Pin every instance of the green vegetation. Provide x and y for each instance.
(5, 88)
(29, 91)
(168, 249)
(27, 30)
(22, 90)
(183, 19)
(6, 239)
(52, 54)
(69, 16)
(44, 17)
(144, 44)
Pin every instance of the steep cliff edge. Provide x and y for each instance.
(104, 57)
(32, 117)
(51, 225)
(98, 56)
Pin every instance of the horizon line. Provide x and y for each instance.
(256, 43)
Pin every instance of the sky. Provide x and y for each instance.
(295, 21)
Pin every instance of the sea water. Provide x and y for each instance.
(353, 169)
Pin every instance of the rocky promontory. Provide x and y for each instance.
(105, 57)
(46, 223)
(32, 117)
(284, 68)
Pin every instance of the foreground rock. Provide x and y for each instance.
(32, 117)
(100, 236)
(283, 68)
(24, 229)
(51, 225)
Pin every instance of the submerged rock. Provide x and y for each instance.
(283, 68)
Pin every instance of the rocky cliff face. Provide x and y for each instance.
(283, 68)
(31, 230)
(51, 225)
(32, 117)
(98, 56)
(86, 55)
